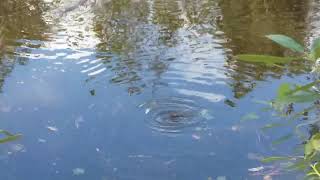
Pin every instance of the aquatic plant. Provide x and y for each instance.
(288, 94)
(311, 54)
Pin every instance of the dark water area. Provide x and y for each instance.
(144, 89)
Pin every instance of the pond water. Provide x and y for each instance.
(144, 89)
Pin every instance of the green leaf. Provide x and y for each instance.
(283, 90)
(315, 49)
(303, 98)
(301, 94)
(315, 141)
(9, 137)
(287, 42)
(274, 158)
(303, 88)
(264, 59)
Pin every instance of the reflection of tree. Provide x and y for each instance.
(137, 33)
(19, 19)
(140, 32)
(246, 22)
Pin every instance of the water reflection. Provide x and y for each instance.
(246, 22)
(22, 21)
(172, 56)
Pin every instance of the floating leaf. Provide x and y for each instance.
(9, 137)
(274, 158)
(315, 49)
(287, 42)
(264, 59)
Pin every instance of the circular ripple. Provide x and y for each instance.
(174, 114)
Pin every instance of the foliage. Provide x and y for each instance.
(313, 54)
(287, 96)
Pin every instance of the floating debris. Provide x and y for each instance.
(256, 169)
(235, 128)
(219, 33)
(78, 171)
(196, 137)
(230, 103)
(52, 128)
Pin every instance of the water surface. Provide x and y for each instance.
(143, 89)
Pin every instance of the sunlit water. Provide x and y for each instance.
(143, 89)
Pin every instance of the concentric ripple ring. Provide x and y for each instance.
(173, 114)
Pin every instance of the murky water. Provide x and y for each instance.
(143, 89)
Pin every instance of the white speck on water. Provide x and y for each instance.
(196, 137)
(52, 128)
(235, 128)
(219, 33)
(148, 110)
(42, 140)
(78, 171)
(256, 169)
